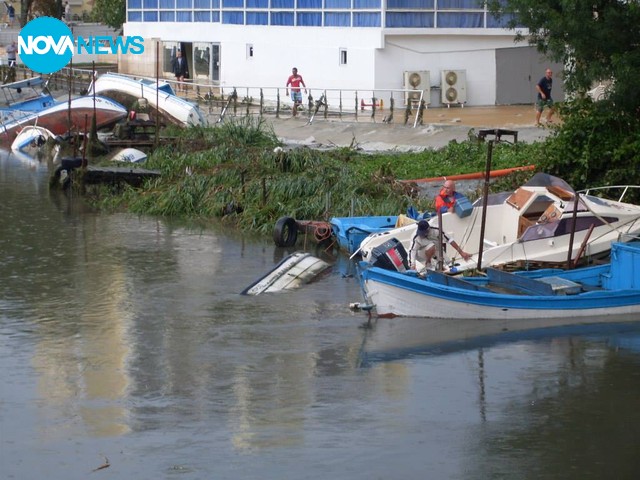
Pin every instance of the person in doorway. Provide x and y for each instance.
(67, 12)
(11, 13)
(543, 87)
(423, 246)
(295, 80)
(180, 70)
(12, 52)
(446, 199)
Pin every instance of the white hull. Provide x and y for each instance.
(31, 139)
(295, 270)
(127, 90)
(532, 224)
(393, 301)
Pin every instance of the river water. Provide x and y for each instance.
(124, 344)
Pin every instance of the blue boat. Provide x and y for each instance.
(28, 95)
(604, 292)
(349, 232)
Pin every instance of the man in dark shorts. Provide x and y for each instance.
(543, 88)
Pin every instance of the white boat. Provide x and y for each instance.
(31, 139)
(603, 292)
(64, 116)
(160, 96)
(131, 155)
(532, 224)
(292, 272)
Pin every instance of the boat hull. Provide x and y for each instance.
(604, 292)
(351, 231)
(56, 118)
(127, 91)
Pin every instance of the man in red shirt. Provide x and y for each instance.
(295, 81)
(446, 199)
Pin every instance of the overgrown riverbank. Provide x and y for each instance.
(241, 173)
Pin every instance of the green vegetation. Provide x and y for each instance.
(236, 172)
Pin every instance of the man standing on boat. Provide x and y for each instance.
(446, 199)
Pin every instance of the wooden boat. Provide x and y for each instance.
(56, 118)
(127, 91)
(292, 272)
(532, 224)
(610, 291)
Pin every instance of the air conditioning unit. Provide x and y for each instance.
(454, 87)
(417, 81)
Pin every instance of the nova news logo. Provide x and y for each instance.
(46, 45)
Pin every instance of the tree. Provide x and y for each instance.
(110, 12)
(596, 40)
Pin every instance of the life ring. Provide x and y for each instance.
(285, 232)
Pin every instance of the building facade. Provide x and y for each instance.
(454, 51)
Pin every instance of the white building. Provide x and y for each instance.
(454, 50)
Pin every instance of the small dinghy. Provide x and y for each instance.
(293, 271)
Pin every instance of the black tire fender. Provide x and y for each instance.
(285, 232)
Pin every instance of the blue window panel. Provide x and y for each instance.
(410, 4)
(282, 4)
(460, 20)
(202, 16)
(257, 18)
(150, 4)
(215, 4)
(460, 4)
(134, 16)
(309, 3)
(202, 4)
(183, 17)
(282, 18)
(366, 19)
(134, 4)
(493, 22)
(336, 19)
(184, 4)
(233, 18)
(365, 4)
(232, 3)
(309, 19)
(167, 16)
(336, 4)
(150, 16)
(257, 3)
(215, 17)
(409, 20)
(168, 4)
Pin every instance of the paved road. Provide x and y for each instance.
(440, 126)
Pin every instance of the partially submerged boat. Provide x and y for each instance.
(159, 95)
(65, 116)
(129, 155)
(605, 292)
(292, 272)
(535, 223)
(31, 139)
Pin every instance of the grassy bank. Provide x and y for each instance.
(236, 172)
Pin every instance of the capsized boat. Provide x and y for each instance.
(292, 272)
(31, 139)
(56, 117)
(159, 95)
(130, 155)
(532, 224)
(605, 292)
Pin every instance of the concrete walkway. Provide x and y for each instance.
(440, 126)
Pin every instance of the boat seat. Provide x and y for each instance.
(530, 285)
